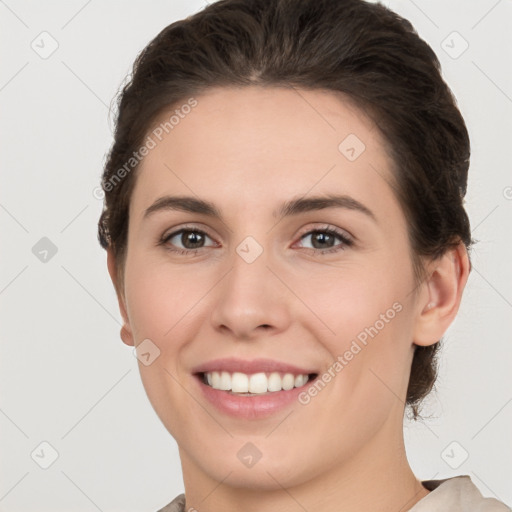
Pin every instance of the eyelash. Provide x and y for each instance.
(345, 240)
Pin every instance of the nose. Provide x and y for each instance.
(250, 300)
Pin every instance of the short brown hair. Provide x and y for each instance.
(363, 50)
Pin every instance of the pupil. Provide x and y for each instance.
(191, 238)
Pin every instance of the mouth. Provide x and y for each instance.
(252, 389)
(256, 384)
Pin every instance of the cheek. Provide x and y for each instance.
(160, 303)
(353, 298)
(160, 298)
(368, 313)
(163, 303)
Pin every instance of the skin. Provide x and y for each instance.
(248, 150)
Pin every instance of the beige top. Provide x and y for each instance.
(457, 494)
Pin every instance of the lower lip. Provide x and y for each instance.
(250, 407)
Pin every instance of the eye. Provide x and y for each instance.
(191, 240)
(324, 240)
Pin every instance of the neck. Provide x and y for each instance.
(377, 478)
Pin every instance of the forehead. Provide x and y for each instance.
(261, 145)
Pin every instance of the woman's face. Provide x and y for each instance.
(266, 281)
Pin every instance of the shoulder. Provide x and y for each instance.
(176, 505)
(457, 494)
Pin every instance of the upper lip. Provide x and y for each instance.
(231, 364)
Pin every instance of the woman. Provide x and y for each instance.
(286, 235)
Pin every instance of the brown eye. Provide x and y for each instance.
(192, 239)
(322, 240)
(325, 240)
(186, 240)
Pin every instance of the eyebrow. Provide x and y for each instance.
(289, 208)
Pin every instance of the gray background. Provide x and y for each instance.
(66, 377)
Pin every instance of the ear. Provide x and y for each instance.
(441, 295)
(126, 331)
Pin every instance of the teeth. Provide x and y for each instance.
(239, 383)
(257, 383)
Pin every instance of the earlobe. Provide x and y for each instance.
(126, 332)
(126, 335)
(442, 295)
